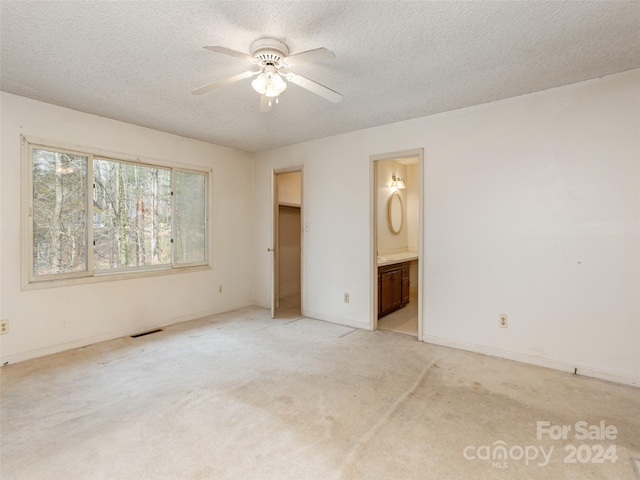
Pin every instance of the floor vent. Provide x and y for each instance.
(146, 333)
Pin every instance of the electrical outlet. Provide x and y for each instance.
(503, 321)
(346, 297)
(4, 327)
(220, 288)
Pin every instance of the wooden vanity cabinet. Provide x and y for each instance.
(393, 287)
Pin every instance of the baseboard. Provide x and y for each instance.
(347, 322)
(533, 360)
(83, 342)
(266, 305)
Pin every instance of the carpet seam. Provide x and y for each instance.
(371, 432)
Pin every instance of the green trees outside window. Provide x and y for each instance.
(135, 216)
(59, 212)
(131, 215)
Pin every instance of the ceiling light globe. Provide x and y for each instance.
(275, 86)
(259, 84)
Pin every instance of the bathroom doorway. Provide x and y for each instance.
(287, 242)
(397, 243)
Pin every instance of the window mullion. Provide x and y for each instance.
(173, 217)
(91, 186)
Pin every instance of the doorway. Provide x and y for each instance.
(287, 243)
(397, 242)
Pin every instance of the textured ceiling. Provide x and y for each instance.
(137, 61)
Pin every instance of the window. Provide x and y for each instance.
(131, 215)
(90, 215)
(190, 221)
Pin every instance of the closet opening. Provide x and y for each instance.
(287, 244)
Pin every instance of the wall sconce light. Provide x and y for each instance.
(397, 182)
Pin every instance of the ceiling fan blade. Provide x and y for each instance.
(317, 55)
(265, 104)
(314, 87)
(233, 53)
(222, 83)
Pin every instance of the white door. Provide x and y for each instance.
(274, 241)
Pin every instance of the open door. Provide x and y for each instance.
(274, 242)
(397, 268)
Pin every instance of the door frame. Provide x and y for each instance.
(373, 254)
(275, 297)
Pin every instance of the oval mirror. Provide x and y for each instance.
(395, 213)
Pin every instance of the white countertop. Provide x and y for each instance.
(396, 258)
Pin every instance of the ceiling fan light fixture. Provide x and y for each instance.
(275, 86)
(259, 84)
(269, 83)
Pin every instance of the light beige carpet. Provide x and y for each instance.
(241, 396)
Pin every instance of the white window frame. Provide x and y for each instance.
(31, 281)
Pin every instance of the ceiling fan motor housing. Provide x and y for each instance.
(269, 51)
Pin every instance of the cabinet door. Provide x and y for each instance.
(405, 290)
(405, 285)
(397, 289)
(386, 292)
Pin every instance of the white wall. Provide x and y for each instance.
(53, 319)
(531, 208)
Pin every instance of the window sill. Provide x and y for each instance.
(111, 277)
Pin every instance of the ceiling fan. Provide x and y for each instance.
(272, 60)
